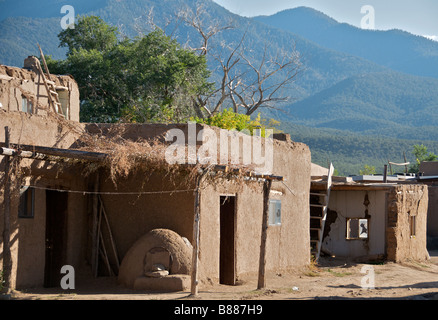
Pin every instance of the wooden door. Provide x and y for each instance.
(227, 270)
(56, 213)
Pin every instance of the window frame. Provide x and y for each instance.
(412, 226)
(348, 233)
(27, 194)
(26, 105)
(274, 219)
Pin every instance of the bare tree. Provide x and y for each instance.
(246, 83)
(264, 89)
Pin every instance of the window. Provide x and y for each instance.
(27, 202)
(357, 229)
(64, 100)
(26, 105)
(413, 225)
(274, 212)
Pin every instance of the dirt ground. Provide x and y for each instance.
(331, 279)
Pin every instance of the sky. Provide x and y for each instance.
(419, 17)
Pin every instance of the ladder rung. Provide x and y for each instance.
(53, 92)
(50, 82)
(315, 229)
(318, 205)
(318, 194)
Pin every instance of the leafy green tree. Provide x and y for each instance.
(229, 120)
(421, 154)
(147, 79)
(89, 33)
(368, 170)
(166, 77)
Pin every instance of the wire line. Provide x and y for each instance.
(112, 193)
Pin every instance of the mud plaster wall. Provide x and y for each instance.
(132, 216)
(288, 245)
(28, 235)
(403, 202)
(350, 204)
(429, 168)
(16, 84)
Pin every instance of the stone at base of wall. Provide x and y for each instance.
(171, 283)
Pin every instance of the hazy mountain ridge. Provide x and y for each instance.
(397, 49)
(376, 97)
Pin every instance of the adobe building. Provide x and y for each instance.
(429, 176)
(104, 199)
(25, 90)
(67, 205)
(375, 220)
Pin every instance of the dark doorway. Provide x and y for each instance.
(56, 213)
(227, 272)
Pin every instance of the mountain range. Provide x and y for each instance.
(396, 49)
(378, 84)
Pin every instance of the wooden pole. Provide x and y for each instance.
(63, 153)
(44, 61)
(7, 259)
(95, 229)
(49, 96)
(195, 256)
(196, 224)
(262, 262)
(103, 251)
(113, 243)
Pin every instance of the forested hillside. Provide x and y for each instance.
(350, 152)
(385, 104)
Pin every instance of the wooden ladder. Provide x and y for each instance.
(319, 201)
(52, 95)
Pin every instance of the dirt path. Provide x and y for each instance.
(332, 279)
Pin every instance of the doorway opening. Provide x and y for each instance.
(227, 268)
(56, 214)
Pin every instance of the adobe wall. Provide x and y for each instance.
(403, 202)
(28, 239)
(17, 83)
(429, 168)
(134, 132)
(28, 235)
(132, 216)
(288, 244)
(389, 232)
(41, 130)
(351, 204)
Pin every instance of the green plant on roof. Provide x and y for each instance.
(229, 120)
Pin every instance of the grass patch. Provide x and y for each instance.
(311, 273)
(339, 274)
